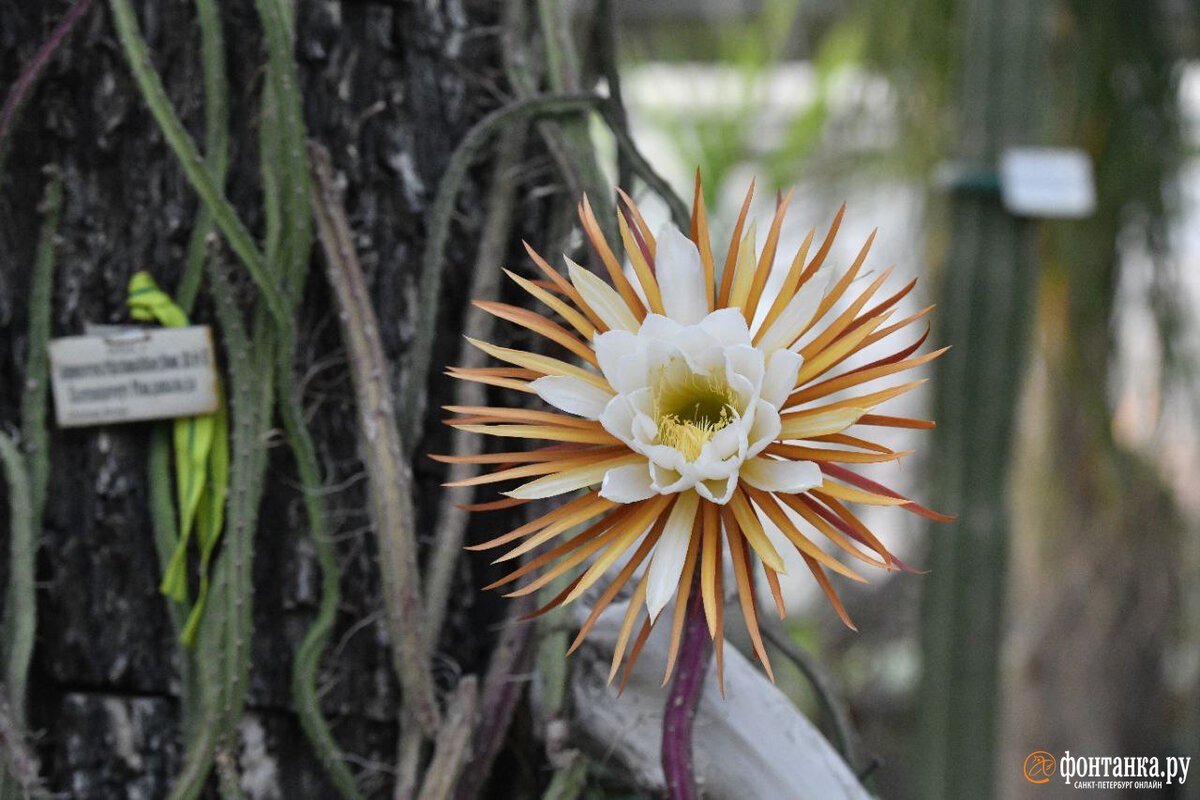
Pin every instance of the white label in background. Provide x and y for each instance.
(133, 374)
(1047, 182)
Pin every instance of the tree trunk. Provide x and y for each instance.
(986, 314)
(389, 88)
(1097, 540)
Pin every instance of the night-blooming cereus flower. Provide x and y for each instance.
(684, 413)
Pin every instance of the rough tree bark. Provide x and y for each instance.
(389, 88)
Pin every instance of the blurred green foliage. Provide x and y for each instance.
(916, 44)
(721, 139)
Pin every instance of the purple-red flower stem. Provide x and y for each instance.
(683, 700)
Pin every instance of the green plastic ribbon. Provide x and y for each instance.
(201, 464)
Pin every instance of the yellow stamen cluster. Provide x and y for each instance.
(689, 438)
(691, 411)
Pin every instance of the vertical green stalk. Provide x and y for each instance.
(292, 161)
(201, 745)
(20, 602)
(251, 396)
(28, 477)
(34, 434)
(269, 171)
(223, 640)
(286, 174)
(308, 655)
(216, 144)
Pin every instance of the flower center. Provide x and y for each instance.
(690, 411)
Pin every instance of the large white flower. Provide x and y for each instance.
(699, 402)
(685, 415)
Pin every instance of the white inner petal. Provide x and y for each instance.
(697, 400)
(679, 271)
(572, 395)
(627, 484)
(781, 476)
(601, 298)
(670, 554)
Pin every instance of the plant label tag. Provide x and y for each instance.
(1053, 182)
(126, 374)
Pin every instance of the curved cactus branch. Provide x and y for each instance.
(382, 452)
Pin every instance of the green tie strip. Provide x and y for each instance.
(201, 464)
